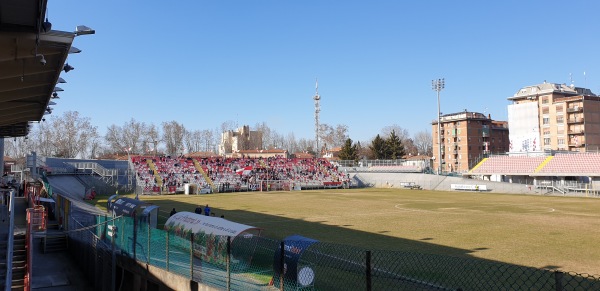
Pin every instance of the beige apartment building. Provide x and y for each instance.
(552, 116)
(240, 140)
(467, 137)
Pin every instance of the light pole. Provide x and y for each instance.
(438, 85)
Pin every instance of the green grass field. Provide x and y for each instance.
(535, 231)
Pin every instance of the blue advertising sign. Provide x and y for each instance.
(294, 246)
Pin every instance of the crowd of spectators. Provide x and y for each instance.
(170, 174)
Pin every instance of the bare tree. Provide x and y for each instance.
(132, 135)
(173, 133)
(326, 136)
(340, 135)
(424, 143)
(193, 140)
(278, 141)
(94, 149)
(152, 140)
(40, 138)
(290, 143)
(306, 145)
(71, 135)
(400, 132)
(17, 147)
(209, 139)
(333, 136)
(267, 134)
(409, 147)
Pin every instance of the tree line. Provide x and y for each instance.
(71, 135)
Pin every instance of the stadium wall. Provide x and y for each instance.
(438, 183)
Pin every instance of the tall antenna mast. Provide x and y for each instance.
(317, 110)
(571, 77)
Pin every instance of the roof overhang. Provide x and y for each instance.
(31, 60)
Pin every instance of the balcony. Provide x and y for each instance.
(485, 132)
(575, 109)
(575, 131)
(575, 120)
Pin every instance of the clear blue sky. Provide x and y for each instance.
(202, 63)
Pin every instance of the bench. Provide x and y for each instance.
(465, 187)
(410, 185)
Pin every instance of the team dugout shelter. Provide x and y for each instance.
(141, 211)
(210, 237)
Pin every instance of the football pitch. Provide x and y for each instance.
(535, 231)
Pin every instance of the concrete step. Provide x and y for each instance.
(55, 243)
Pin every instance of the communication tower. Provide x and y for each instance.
(317, 98)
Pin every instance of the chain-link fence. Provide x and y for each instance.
(91, 252)
(259, 263)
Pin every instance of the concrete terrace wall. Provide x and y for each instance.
(438, 183)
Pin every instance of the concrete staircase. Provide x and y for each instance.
(19, 263)
(206, 178)
(55, 240)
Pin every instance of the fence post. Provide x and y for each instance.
(105, 226)
(167, 251)
(368, 270)
(228, 263)
(113, 260)
(192, 256)
(558, 275)
(149, 230)
(123, 232)
(134, 243)
(281, 264)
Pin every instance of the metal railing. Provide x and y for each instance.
(10, 241)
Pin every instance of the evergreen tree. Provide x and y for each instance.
(395, 149)
(349, 151)
(378, 148)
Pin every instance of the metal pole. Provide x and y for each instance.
(167, 251)
(438, 85)
(368, 270)
(149, 230)
(228, 263)
(192, 256)
(439, 135)
(114, 263)
(281, 265)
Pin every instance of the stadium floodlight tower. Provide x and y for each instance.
(438, 85)
(317, 98)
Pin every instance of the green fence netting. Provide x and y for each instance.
(257, 263)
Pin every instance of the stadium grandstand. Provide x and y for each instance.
(564, 172)
(166, 174)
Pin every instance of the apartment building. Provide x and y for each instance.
(553, 116)
(242, 139)
(467, 137)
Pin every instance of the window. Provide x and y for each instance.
(545, 110)
(544, 100)
(546, 120)
(561, 141)
(560, 119)
(546, 131)
(546, 141)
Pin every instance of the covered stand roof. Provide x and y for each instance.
(32, 56)
(182, 222)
